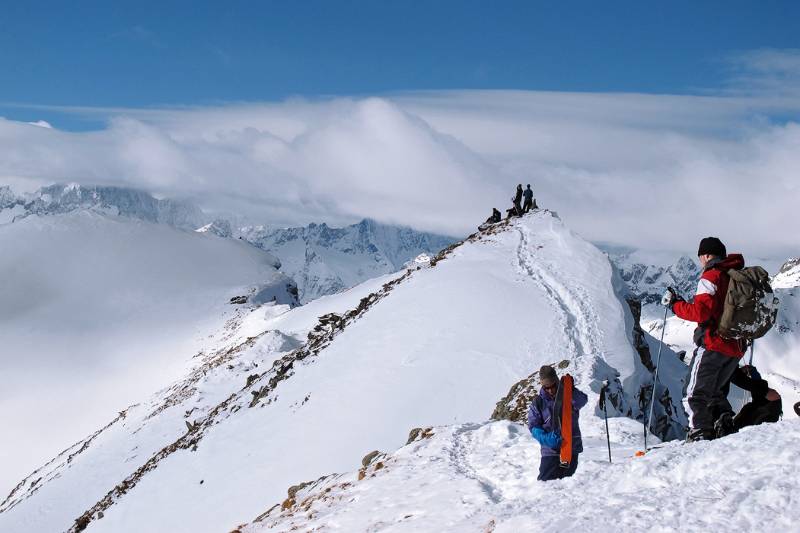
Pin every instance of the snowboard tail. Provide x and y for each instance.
(565, 393)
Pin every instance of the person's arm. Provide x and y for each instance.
(757, 387)
(535, 419)
(699, 310)
(549, 439)
(579, 399)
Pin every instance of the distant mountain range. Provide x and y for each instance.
(322, 260)
(648, 274)
(132, 203)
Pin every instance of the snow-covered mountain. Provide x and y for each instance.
(281, 395)
(98, 311)
(324, 260)
(648, 274)
(132, 203)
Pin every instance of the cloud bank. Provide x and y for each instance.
(653, 171)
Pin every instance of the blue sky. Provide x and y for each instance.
(198, 53)
(630, 108)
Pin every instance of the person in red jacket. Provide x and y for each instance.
(716, 358)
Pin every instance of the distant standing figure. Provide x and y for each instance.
(528, 193)
(518, 201)
(543, 427)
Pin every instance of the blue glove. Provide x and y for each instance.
(550, 439)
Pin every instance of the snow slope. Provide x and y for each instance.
(289, 395)
(482, 478)
(99, 311)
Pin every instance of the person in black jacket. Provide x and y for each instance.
(528, 193)
(495, 218)
(766, 405)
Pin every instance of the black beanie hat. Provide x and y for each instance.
(547, 375)
(713, 246)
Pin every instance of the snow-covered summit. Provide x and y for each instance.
(788, 276)
(220, 227)
(325, 260)
(284, 395)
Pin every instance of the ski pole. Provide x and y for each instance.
(605, 415)
(745, 394)
(648, 427)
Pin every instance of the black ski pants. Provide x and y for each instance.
(706, 392)
(527, 206)
(550, 468)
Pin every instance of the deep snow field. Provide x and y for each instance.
(482, 478)
(97, 313)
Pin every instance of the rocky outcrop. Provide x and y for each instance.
(514, 405)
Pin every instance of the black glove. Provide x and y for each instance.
(670, 297)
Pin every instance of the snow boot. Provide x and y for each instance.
(696, 435)
(724, 425)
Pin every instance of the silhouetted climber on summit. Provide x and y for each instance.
(495, 218)
(529, 203)
(518, 198)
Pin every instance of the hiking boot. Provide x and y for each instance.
(724, 425)
(696, 435)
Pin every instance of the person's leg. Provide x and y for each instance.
(703, 388)
(720, 407)
(720, 403)
(573, 466)
(549, 468)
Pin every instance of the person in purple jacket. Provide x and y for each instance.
(545, 430)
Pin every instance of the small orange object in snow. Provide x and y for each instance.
(639, 453)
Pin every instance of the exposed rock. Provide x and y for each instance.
(639, 341)
(365, 462)
(419, 434)
(514, 405)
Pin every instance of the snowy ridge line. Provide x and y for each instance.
(576, 315)
(320, 337)
(578, 320)
(35, 484)
(186, 387)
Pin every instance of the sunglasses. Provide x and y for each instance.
(554, 386)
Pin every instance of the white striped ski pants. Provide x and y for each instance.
(705, 399)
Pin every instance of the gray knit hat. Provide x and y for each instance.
(547, 375)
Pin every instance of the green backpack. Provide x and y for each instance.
(751, 307)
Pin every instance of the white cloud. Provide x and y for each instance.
(642, 170)
(766, 71)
